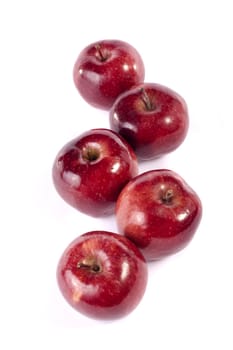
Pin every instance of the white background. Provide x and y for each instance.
(186, 45)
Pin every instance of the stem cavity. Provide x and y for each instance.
(92, 267)
(146, 100)
(167, 197)
(101, 54)
(90, 154)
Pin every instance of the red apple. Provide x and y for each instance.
(90, 171)
(159, 212)
(102, 275)
(105, 69)
(152, 118)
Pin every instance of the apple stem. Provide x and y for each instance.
(146, 99)
(100, 53)
(90, 154)
(167, 196)
(92, 267)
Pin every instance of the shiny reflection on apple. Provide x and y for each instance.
(183, 216)
(125, 270)
(72, 179)
(115, 167)
(167, 120)
(125, 67)
(78, 287)
(137, 218)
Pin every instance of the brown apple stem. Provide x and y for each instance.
(146, 99)
(100, 53)
(167, 197)
(92, 267)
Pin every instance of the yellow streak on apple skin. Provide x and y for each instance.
(89, 246)
(76, 296)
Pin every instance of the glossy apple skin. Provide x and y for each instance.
(105, 69)
(152, 118)
(159, 212)
(102, 275)
(90, 171)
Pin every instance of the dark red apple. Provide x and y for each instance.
(159, 212)
(105, 69)
(90, 171)
(102, 275)
(152, 118)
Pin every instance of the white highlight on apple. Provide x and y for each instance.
(72, 179)
(79, 287)
(125, 67)
(125, 125)
(168, 120)
(125, 270)
(183, 216)
(115, 167)
(137, 217)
